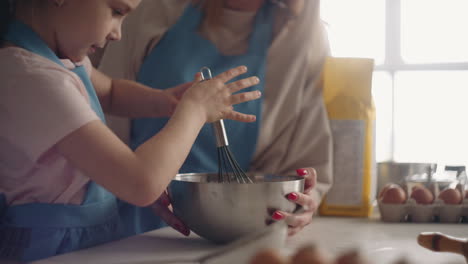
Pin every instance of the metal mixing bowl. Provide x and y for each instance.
(224, 212)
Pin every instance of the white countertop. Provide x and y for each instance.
(381, 242)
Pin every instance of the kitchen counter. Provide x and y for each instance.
(380, 242)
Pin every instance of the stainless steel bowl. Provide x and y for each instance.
(224, 212)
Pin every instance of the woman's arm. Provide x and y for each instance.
(311, 157)
(310, 143)
(310, 146)
(131, 99)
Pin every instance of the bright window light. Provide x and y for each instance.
(420, 85)
(434, 31)
(431, 123)
(382, 95)
(356, 28)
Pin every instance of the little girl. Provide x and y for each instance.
(61, 168)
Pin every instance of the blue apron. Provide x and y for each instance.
(175, 60)
(39, 230)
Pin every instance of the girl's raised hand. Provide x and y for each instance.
(215, 98)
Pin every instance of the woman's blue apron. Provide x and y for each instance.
(175, 60)
(39, 230)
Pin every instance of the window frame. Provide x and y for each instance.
(393, 62)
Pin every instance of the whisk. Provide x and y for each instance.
(228, 168)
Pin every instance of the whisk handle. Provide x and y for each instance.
(220, 133)
(218, 126)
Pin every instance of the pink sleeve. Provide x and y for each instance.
(41, 108)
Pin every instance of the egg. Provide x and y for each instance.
(310, 254)
(451, 196)
(385, 188)
(422, 195)
(393, 194)
(269, 256)
(402, 260)
(351, 257)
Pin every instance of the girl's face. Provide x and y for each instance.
(81, 26)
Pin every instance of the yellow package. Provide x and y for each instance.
(348, 99)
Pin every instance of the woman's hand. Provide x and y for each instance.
(162, 208)
(297, 222)
(166, 100)
(215, 99)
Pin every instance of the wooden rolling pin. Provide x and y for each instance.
(443, 243)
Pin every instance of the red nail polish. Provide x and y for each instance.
(293, 196)
(181, 229)
(302, 172)
(277, 216)
(165, 201)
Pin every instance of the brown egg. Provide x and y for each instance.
(422, 195)
(351, 257)
(451, 196)
(386, 187)
(310, 254)
(394, 195)
(268, 256)
(402, 260)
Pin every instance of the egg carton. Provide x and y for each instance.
(422, 213)
(438, 211)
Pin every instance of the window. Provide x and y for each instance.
(438, 35)
(420, 81)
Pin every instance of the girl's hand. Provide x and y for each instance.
(297, 222)
(162, 208)
(215, 98)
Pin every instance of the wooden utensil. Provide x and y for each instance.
(439, 242)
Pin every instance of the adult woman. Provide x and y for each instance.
(283, 43)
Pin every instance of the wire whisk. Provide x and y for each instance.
(228, 168)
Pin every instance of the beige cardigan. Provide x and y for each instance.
(294, 129)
